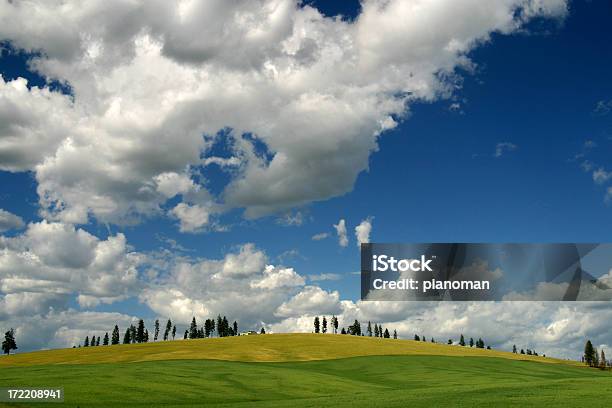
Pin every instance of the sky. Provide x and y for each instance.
(169, 160)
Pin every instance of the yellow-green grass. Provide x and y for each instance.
(258, 348)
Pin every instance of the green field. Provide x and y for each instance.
(369, 373)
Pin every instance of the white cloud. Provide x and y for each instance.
(275, 278)
(320, 236)
(310, 301)
(325, 277)
(9, 221)
(58, 260)
(153, 83)
(363, 230)
(192, 217)
(341, 232)
(504, 147)
(601, 176)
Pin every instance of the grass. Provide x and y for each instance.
(453, 376)
(266, 348)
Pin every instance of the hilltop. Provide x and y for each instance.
(259, 348)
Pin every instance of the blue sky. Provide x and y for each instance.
(507, 156)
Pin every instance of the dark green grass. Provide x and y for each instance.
(387, 381)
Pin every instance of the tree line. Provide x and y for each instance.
(321, 326)
(140, 334)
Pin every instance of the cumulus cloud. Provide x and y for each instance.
(9, 221)
(153, 83)
(362, 231)
(341, 232)
(51, 261)
(192, 218)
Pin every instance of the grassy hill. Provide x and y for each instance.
(266, 348)
(304, 371)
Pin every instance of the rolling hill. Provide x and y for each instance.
(304, 370)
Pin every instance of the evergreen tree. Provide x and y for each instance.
(424, 339)
(193, 329)
(514, 348)
(262, 331)
(9, 343)
(219, 326)
(432, 340)
(225, 324)
(235, 328)
(168, 328)
(602, 360)
(450, 341)
(173, 331)
(417, 338)
(86, 343)
(145, 338)
(186, 335)
(386, 335)
(343, 331)
(156, 330)
(316, 324)
(489, 348)
(127, 337)
(335, 324)
(395, 334)
(369, 329)
(98, 341)
(140, 333)
(355, 328)
(133, 333)
(522, 351)
(375, 330)
(471, 342)
(105, 343)
(462, 341)
(589, 353)
(324, 325)
(115, 336)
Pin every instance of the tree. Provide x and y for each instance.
(432, 340)
(417, 338)
(514, 348)
(471, 342)
(9, 342)
(105, 343)
(86, 343)
(133, 333)
(343, 331)
(140, 333)
(450, 342)
(156, 330)
(386, 335)
(369, 329)
(186, 335)
(98, 341)
(145, 338)
(115, 335)
(395, 334)
(316, 324)
(335, 324)
(324, 325)
(262, 331)
(355, 328)
(462, 341)
(235, 328)
(193, 329)
(589, 353)
(522, 351)
(602, 360)
(127, 337)
(168, 328)
(173, 331)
